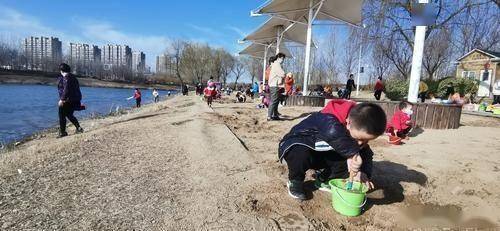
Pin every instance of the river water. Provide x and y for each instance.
(25, 109)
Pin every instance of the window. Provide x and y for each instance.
(469, 74)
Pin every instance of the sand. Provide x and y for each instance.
(179, 165)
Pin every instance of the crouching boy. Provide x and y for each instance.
(333, 141)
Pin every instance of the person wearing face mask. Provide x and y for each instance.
(276, 77)
(400, 124)
(334, 142)
(69, 99)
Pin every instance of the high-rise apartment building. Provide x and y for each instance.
(116, 56)
(138, 62)
(42, 53)
(165, 64)
(84, 58)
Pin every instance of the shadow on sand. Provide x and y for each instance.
(387, 176)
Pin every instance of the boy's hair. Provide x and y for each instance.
(280, 55)
(64, 68)
(368, 117)
(404, 104)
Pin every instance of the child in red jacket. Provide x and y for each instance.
(400, 124)
(210, 92)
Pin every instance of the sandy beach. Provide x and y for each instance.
(180, 165)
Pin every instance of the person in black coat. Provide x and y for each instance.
(349, 86)
(334, 142)
(69, 99)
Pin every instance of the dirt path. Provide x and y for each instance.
(180, 165)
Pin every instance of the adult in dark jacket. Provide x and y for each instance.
(349, 86)
(334, 141)
(69, 99)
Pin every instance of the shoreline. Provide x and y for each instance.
(39, 134)
(84, 82)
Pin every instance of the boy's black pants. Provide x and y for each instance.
(66, 111)
(301, 158)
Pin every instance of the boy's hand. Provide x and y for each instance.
(363, 178)
(354, 163)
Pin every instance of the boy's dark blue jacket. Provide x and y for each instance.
(325, 128)
(69, 89)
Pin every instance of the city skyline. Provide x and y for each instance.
(153, 27)
(42, 53)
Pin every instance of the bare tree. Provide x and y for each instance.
(253, 67)
(381, 65)
(351, 48)
(436, 52)
(238, 70)
(177, 47)
(227, 65)
(330, 56)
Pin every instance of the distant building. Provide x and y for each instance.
(138, 62)
(116, 56)
(165, 64)
(84, 58)
(42, 53)
(481, 65)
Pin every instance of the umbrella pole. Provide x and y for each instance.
(278, 38)
(264, 68)
(308, 47)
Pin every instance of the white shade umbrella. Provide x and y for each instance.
(348, 11)
(283, 29)
(259, 50)
(298, 11)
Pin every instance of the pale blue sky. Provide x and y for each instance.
(143, 25)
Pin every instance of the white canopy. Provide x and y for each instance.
(298, 11)
(348, 11)
(288, 30)
(258, 50)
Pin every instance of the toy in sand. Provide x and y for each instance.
(394, 140)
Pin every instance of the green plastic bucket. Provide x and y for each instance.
(348, 202)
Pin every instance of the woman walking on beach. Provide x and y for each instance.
(276, 76)
(69, 99)
(137, 97)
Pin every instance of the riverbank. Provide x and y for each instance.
(179, 165)
(84, 82)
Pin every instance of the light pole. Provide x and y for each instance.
(359, 62)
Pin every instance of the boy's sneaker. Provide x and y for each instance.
(296, 189)
(320, 183)
(322, 186)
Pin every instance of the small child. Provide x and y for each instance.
(400, 124)
(334, 141)
(210, 92)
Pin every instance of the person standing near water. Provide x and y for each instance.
(69, 99)
(156, 95)
(276, 76)
(137, 97)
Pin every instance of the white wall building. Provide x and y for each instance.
(42, 53)
(138, 62)
(165, 64)
(116, 56)
(84, 58)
